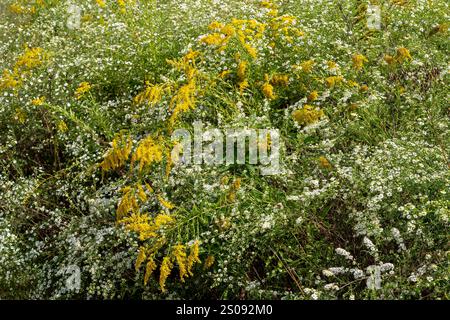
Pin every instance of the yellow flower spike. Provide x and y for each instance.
(20, 116)
(9, 80)
(307, 115)
(118, 154)
(128, 203)
(147, 153)
(183, 100)
(442, 28)
(82, 89)
(267, 4)
(193, 256)
(403, 55)
(273, 13)
(215, 25)
(152, 94)
(237, 183)
(140, 258)
(141, 193)
(143, 226)
(31, 58)
(267, 90)
(101, 3)
(149, 268)
(62, 126)
(324, 163)
(333, 81)
(223, 74)
(251, 51)
(243, 85)
(165, 270)
(149, 187)
(389, 59)
(179, 252)
(209, 261)
(313, 96)
(162, 219)
(352, 84)
(332, 65)
(242, 69)
(214, 39)
(307, 66)
(38, 101)
(364, 88)
(280, 80)
(166, 204)
(358, 61)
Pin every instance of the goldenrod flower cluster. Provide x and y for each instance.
(118, 154)
(307, 115)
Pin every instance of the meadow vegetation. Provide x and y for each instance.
(91, 91)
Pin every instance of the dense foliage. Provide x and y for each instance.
(91, 91)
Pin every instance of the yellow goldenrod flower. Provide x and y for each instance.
(17, 9)
(242, 68)
(118, 154)
(31, 58)
(164, 272)
(141, 193)
(128, 203)
(9, 80)
(152, 94)
(83, 88)
(333, 81)
(179, 252)
(307, 115)
(324, 163)
(214, 39)
(443, 28)
(280, 80)
(140, 224)
(352, 83)
(251, 50)
(209, 261)
(332, 65)
(149, 268)
(193, 256)
(101, 3)
(243, 85)
(224, 73)
(313, 96)
(162, 219)
(140, 258)
(20, 116)
(183, 100)
(38, 101)
(147, 152)
(215, 25)
(166, 204)
(190, 56)
(267, 4)
(307, 66)
(267, 90)
(358, 61)
(389, 59)
(403, 55)
(62, 126)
